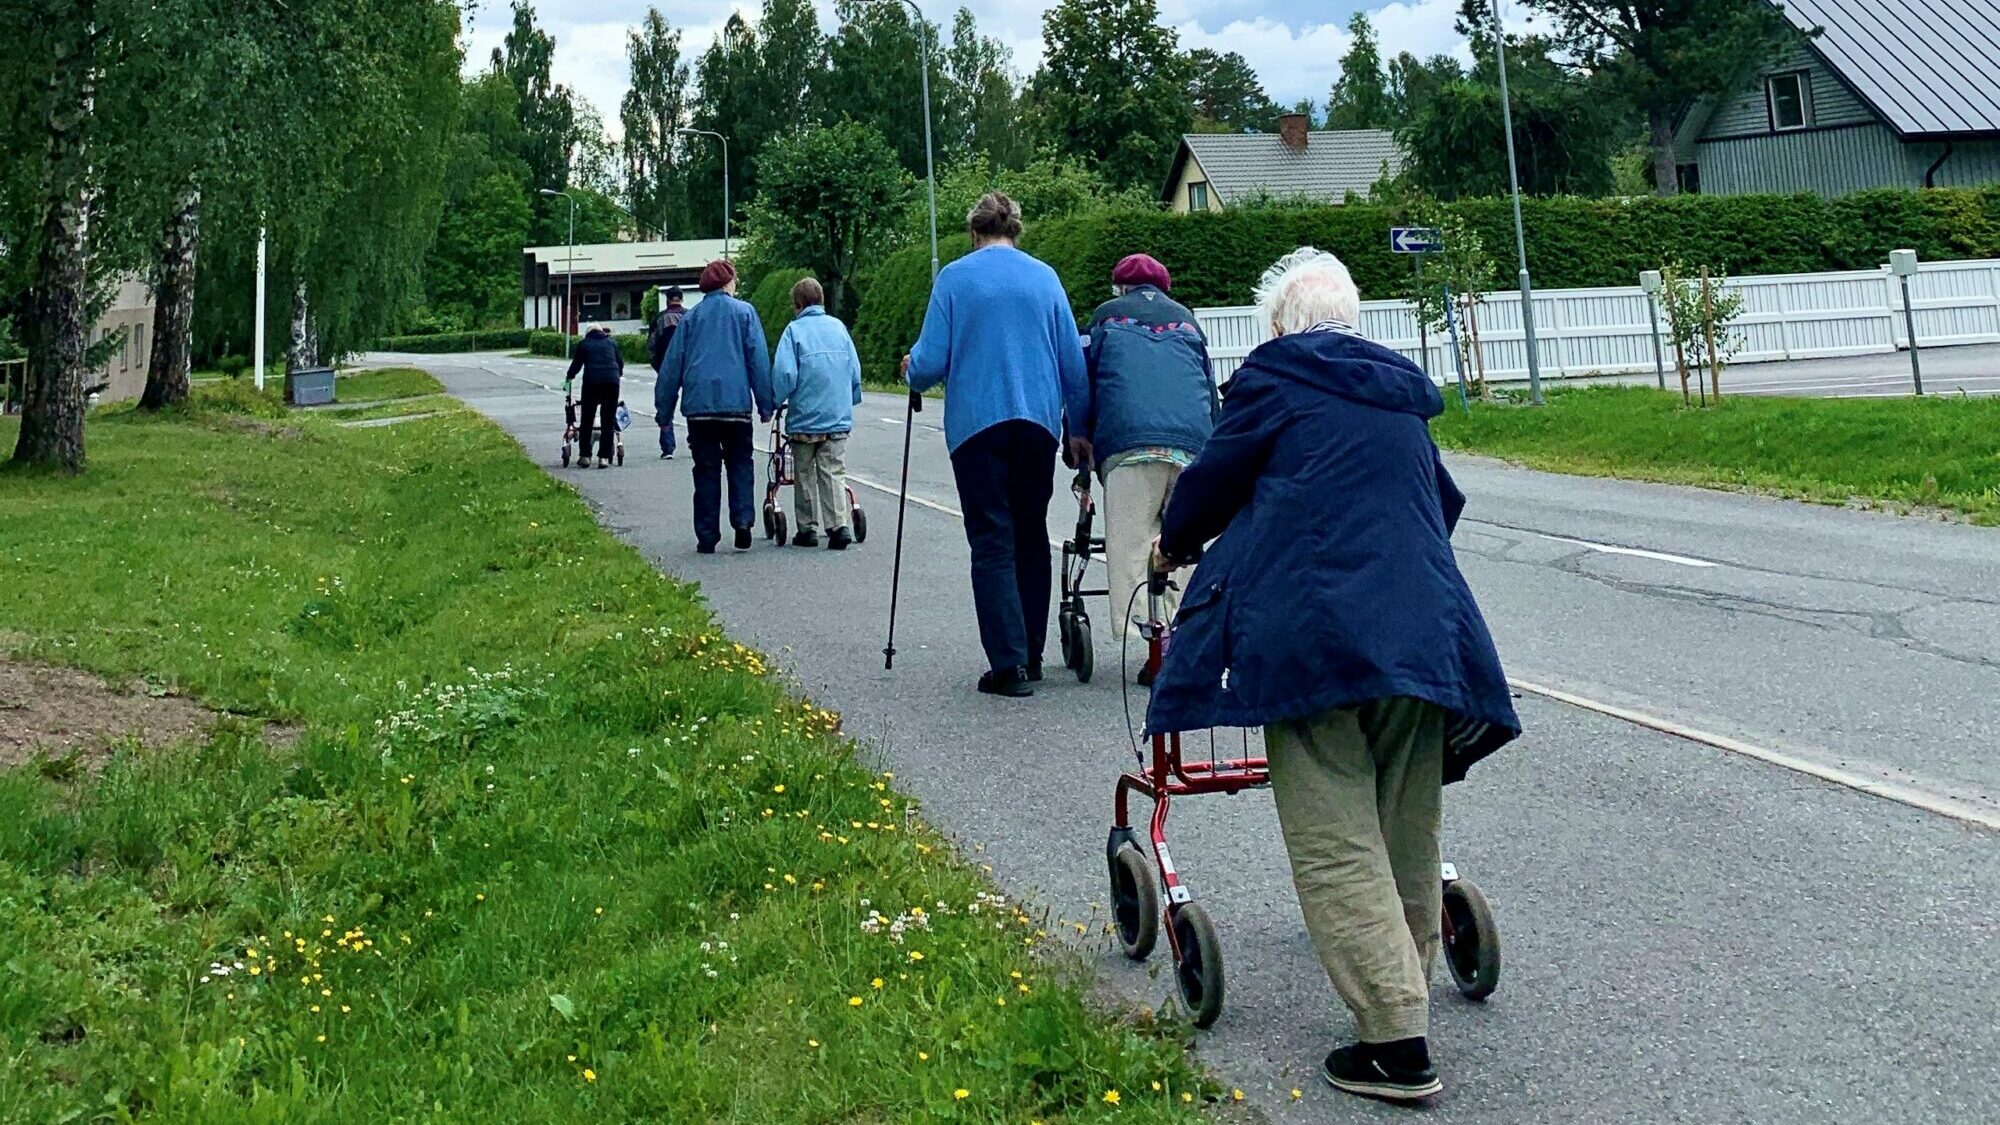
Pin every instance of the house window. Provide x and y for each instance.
(1198, 197)
(1689, 177)
(1790, 99)
(592, 298)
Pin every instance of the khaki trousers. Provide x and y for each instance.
(1360, 797)
(819, 499)
(1134, 497)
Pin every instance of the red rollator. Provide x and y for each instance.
(1471, 943)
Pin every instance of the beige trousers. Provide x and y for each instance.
(1360, 797)
(1134, 497)
(819, 499)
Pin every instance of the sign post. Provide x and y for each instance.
(1903, 263)
(1652, 282)
(1416, 242)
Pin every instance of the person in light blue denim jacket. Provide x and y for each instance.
(816, 381)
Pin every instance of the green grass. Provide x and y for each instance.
(548, 847)
(1936, 452)
(387, 382)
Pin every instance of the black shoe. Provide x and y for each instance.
(1035, 672)
(806, 539)
(1394, 1072)
(743, 538)
(704, 548)
(666, 456)
(839, 539)
(1012, 683)
(1147, 672)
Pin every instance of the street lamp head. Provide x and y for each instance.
(550, 191)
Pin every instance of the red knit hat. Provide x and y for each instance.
(1142, 269)
(715, 275)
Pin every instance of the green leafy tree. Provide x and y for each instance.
(829, 195)
(751, 85)
(547, 111)
(982, 107)
(653, 108)
(1113, 88)
(1664, 55)
(1226, 94)
(872, 76)
(1413, 82)
(473, 271)
(1360, 98)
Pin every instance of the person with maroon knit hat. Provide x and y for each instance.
(718, 371)
(1152, 405)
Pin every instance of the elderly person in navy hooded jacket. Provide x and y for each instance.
(1330, 612)
(1000, 337)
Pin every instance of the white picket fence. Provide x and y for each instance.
(1583, 332)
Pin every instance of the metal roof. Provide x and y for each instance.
(1333, 163)
(1928, 68)
(629, 257)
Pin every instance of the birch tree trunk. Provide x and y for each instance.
(173, 305)
(302, 349)
(58, 323)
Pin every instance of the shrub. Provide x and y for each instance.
(232, 365)
(633, 344)
(474, 341)
(773, 301)
(893, 297)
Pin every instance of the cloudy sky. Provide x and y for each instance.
(1295, 45)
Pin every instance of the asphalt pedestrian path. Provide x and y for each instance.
(1692, 932)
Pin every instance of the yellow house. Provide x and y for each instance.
(1216, 170)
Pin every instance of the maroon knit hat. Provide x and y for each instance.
(1142, 269)
(715, 275)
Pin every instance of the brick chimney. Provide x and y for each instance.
(1292, 128)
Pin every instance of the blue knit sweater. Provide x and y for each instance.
(1000, 337)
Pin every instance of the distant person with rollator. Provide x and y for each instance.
(717, 370)
(1152, 405)
(1000, 338)
(603, 367)
(816, 379)
(658, 338)
(1330, 611)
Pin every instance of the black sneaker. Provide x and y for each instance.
(1035, 672)
(1392, 1072)
(704, 548)
(839, 539)
(806, 539)
(1011, 683)
(743, 538)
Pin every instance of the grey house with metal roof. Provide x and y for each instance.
(1216, 170)
(1888, 93)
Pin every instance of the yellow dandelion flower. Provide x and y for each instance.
(319, 1039)
(600, 910)
(344, 1009)
(923, 1056)
(1111, 1097)
(1156, 1087)
(589, 1075)
(1297, 1093)
(791, 879)
(876, 983)
(961, 1094)
(916, 954)
(1000, 1000)
(1186, 1097)
(315, 1007)
(812, 1043)
(777, 789)
(854, 1001)
(1236, 1095)
(479, 898)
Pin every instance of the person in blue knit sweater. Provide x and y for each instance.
(1000, 338)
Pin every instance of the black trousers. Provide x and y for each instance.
(714, 443)
(1006, 474)
(600, 408)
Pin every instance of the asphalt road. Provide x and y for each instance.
(1691, 933)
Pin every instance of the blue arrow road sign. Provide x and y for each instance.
(1414, 240)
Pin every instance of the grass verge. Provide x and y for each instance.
(1939, 452)
(548, 847)
(386, 382)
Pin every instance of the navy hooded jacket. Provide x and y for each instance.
(1149, 376)
(1331, 581)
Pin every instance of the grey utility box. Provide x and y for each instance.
(309, 386)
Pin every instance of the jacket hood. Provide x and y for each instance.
(810, 310)
(1350, 367)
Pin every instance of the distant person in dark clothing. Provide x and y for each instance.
(658, 338)
(603, 366)
(1000, 337)
(717, 370)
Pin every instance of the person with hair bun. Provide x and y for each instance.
(1328, 609)
(1000, 338)
(816, 379)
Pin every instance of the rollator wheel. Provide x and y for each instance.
(621, 454)
(1083, 652)
(1471, 940)
(1066, 636)
(1135, 902)
(1198, 966)
(860, 519)
(778, 528)
(565, 455)
(770, 520)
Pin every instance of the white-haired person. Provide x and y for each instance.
(1328, 609)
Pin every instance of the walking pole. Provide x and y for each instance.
(910, 413)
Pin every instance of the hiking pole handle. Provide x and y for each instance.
(916, 402)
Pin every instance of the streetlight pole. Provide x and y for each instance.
(725, 178)
(569, 284)
(257, 332)
(1520, 236)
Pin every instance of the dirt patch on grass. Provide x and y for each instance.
(64, 713)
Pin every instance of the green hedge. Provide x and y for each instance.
(486, 340)
(633, 344)
(773, 301)
(1217, 256)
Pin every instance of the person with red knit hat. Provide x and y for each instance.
(717, 370)
(1152, 405)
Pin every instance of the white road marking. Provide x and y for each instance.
(1943, 804)
(934, 506)
(891, 421)
(1635, 552)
